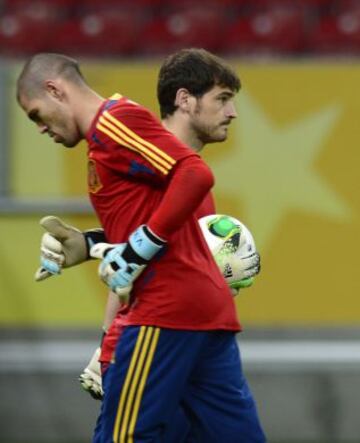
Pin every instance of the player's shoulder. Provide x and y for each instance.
(124, 109)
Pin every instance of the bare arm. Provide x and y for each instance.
(112, 306)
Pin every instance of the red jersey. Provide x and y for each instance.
(131, 162)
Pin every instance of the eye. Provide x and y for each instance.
(224, 99)
(34, 116)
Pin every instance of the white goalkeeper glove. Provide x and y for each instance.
(90, 379)
(123, 263)
(241, 270)
(63, 246)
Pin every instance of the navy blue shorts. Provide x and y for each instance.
(158, 373)
(175, 432)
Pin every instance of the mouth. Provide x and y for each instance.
(55, 136)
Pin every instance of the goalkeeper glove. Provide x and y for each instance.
(63, 246)
(123, 263)
(90, 379)
(243, 270)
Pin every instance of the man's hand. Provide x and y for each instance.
(244, 270)
(63, 246)
(90, 379)
(123, 263)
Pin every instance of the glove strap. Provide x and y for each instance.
(142, 246)
(145, 243)
(92, 237)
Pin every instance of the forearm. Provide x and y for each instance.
(112, 306)
(191, 181)
(123, 263)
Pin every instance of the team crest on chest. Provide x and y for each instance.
(94, 182)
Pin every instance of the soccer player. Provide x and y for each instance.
(178, 342)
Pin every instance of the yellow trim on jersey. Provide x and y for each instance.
(134, 385)
(139, 147)
(140, 140)
(115, 96)
(143, 150)
(122, 142)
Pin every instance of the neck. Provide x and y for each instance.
(179, 126)
(86, 104)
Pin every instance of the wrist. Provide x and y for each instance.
(92, 237)
(143, 245)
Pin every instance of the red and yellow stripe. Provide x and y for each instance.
(133, 388)
(124, 136)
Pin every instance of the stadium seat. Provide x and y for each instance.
(96, 6)
(300, 4)
(202, 4)
(99, 34)
(341, 6)
(38, 9)
(336, 34)
(183, 28)
(20, 36)
(278, 30)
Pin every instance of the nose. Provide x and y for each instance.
(231, 110)
(43, 129)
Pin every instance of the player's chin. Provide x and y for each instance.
(69, 143)
(221, 135)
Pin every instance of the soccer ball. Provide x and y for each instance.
(228, 240)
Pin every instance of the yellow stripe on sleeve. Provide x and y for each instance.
(140, 148)
(122, 142)
(115, 96)
(139, 139)
(143, 150)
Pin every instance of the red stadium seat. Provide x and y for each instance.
(23, 36)
(341, 6)
(202, 4)
(38, 9)
(336, 34)
(280, 30)
(91, 6)
(183, 28)
(100, 34)
(299, 4)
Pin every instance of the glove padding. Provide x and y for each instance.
(243, 271)
(90, 379)
(63, 246)
(118, 278)
(123, 263)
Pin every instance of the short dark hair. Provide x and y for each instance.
(43, 66)
(198, 71)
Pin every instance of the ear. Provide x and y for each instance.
(54, 89)
(183, 99)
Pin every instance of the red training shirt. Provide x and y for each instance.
(133, 161)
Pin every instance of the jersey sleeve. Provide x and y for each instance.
(137, 143)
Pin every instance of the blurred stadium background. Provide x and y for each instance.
(290, 171)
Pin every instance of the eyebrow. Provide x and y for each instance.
(226, 94)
